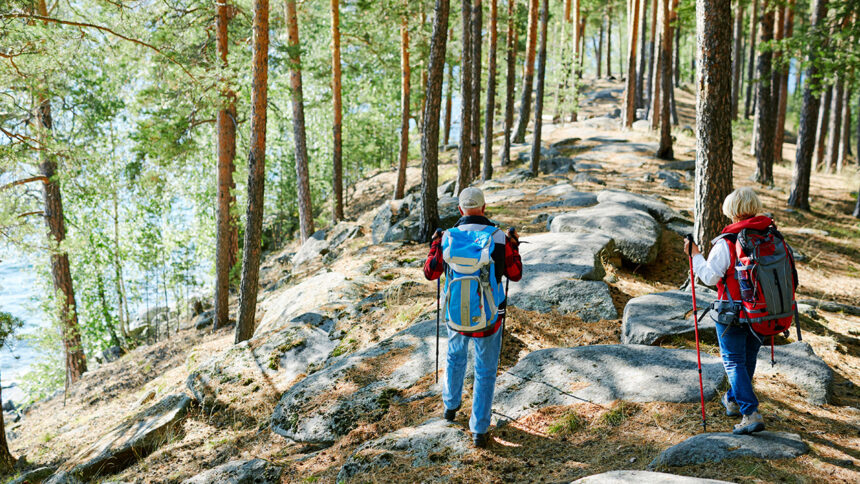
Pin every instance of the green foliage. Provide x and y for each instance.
(569, 423)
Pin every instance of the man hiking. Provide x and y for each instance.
(474, 255)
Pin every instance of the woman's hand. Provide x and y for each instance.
(691, 248)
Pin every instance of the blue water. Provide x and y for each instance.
(18, 286)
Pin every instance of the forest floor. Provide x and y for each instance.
(536, 448)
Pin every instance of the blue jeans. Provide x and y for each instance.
(739, 349)
(486, 363)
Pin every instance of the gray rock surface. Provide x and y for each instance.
(602, 374)
(558, 190)
(625, 148)
(564, 144)
(675, 184)
(358, 387)
(324, 241)
(254, 471)
(590, 300)
(587, 178)
(551, 165)
(204, 320)
(436, 442)
(573, 199)
(643, 477)
(635, 232)
(799, 364)
(516, 176)
(602, 122)
(133, 439)
(397, 220)
(323, 294)
(682, 165)
(717, 447)
(35, 475)
(564, 256)
(582, 167)
(656, 208)
(642, 125)
(503, 196)
(652, 318)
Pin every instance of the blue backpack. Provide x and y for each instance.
(472, 293)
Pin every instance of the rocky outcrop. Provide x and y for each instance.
(717, 447)
(654, 207)
(398, 220)
(643, 477)
(324, 242)
(602, 374)
(652, 318)
(799, 364)
(436, 442)
(254, 471)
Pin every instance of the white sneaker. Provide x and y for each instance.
(749, 424)
(732, 408)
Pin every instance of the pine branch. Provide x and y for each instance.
(22, 181)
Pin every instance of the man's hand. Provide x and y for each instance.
(436, 235)
(512, 233)
(690, 247)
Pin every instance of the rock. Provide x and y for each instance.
(564, 255)
(602, 122)
(587, 167)
(656, 208)
(129, 441)
(680, 227)
(589, 300)
(556, 164)
(204, 320)
(717, 447)
(255, 471)
(625, 148)
(586, 178)
(682, 165)
(801, 366)
(112, 353)
(388, 215)
(275, 358)
(651, 318)
(809, 231)
(615, 113)
(830, 306)
(436, 442)
(323, 294)
(144, 324)
(448, 188)
(35, 475)
(558, 190)
(642, 125)
(313, 248)
(516, 176)
(573, 199)
(641, 477)
(604, 95)
(564, 144)
(357, 388)
(635, 232)
(675, 184)
(602, 374)
(504, 196)
(541, 218)
(526, 156)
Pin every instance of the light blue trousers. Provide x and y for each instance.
(486, 364)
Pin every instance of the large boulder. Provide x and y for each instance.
(436, 442)
(254, 471)
(652, 318)
(654, 207)
(357, 388)
(635, 232)
(325, 241)
(550, 165)
(642, 477)
(602, 374)
(558, 190)
(717, 447)
(589, 300)
(129, 441)
(798, 363)
(569, 199)
(398, 220)
(517, 176)
(625, 148)
(323, 294)
(504, 196)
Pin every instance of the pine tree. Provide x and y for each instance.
(765, 114)
(337, 108)
(750, 99)
(541, 75)
(737, 55)
(464, 169)
(629, 112)
(400, 187)
(487, 172)
(528, 74)
(511, 46)
(475, 130)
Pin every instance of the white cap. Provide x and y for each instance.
(471, 197)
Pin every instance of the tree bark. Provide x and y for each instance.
(477, 24)
(464, 169)
(799, 197)
(748, 107)
(652, 61)
(713, 117)
(541, 74)
(764, 106)
(510, 81)
(7, 461)
(776, 72)
(306, 212)
(564, 79)
(656, 84)
(676, 54)
(491, 93)
(779, 133)
(227, 235)
(737, 54)
(609, 40)
(845, 150)
(76, 360)
(835, 129)
(640, 70)
(823, 124)
(528, 74)
(429, 216)
(449, 88)
(256, 174)
(599, 48)
(664, 151)
(630, 93)
(578, 28)
(404, 104)
(337, 108)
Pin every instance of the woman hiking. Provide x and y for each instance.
(739, 345)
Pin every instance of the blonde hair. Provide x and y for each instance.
(742, 204)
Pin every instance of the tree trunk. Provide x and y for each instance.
(599, 49)
(835, 128)
(640, 70)
(823, 124)
(764, 106)
(652, 61)
(226, 224)
(676, 54)
(578, 27)
(629, 113)
(737, 54)
(664, 151)
(857, 203)
(541, 74)
(857, 137)
(674, 107)
(776, 71)
(779, 133)
(528, 75)
(748, 108)
(122, 302)
(429, 216)
(845, 150)
(510, 81)
(609, 40)
(337, 108)
(477, 24)
(449, 88)
(491, 94)
(806, 143)
(256, 174)
(563, 80)
(404, 104)
(713, 117)
(7, 461)
(656, 84)
(464, 170)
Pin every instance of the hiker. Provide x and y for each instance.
(741, 313)
(473, 286)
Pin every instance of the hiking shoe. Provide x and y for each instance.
(749, 424)
(732, 408)
(451, 414)
(481, 440)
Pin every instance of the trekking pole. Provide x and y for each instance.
(438, 288)
(696, 323)
(511, 232)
